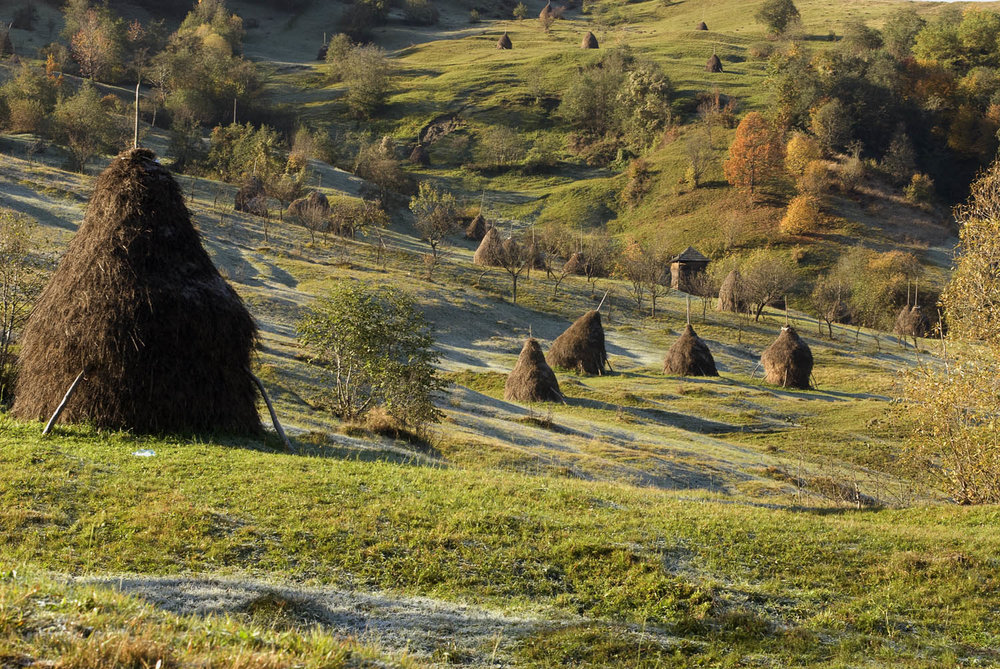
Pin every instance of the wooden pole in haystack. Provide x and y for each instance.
(135, 136)
(65, 400)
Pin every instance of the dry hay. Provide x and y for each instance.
(251, 197)
(714, 64)
(536, 257)
(315, 202)
(576, 265)
(788, 362)
(912, 322)
(689, 356)
(6, 46)
(490, 251)
(420, 155)
(581, 346)
(702, 26)
(504, 42)
(532, 380)
(730, 298)
(547, 12)
(321, 54)
(476, 230)
(589, 41)
(137, 302)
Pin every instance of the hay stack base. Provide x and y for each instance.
(581, 346)
(137, 302)
(689, 356)
(532, 380)
(788, 362)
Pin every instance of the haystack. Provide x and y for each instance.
(581, 346)
(702, 26)
(251, 197)
(788, 361)
(420, 155)
(314, 202)
(689, 356)
(321, 54)
(714, 64)
(532, 380)
(546, 12)
(730, 298)
(136, 302)
(589, 41)
(490, 250)
(575, 265)
(504, 42)
(476, 230)
(6, 46)
(912, 322)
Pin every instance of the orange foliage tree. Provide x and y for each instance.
(755, 155)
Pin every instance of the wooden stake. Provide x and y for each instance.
(65, 400)
(689, 309)
(603, 298)
(270, 409)
(135, 137)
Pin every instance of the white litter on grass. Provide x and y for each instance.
(144, 453)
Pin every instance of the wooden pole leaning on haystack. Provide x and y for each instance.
(135, 136)
(270, 410)
(65, 400)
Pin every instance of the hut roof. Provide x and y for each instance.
(689, 356)
(690, 254)
(504, 42)
(788, 361)
(702, 26)
(532, 380)
(714, 64)
(490, 250)
(589, 41)
(581, 346)
(477, 228)
(136, 302)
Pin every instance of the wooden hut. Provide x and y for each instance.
(685, 268)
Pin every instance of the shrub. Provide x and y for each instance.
(336, 55)
(638, 177)
(25, 116)
(777, 15)
(368, 74)
(802, 215)
(474, 16)
(18, 288)
(377, 348)
(800, 151)
(815, 179)
(920, 190)
(420, 13)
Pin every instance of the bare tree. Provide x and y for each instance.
(17, 289)
(513, 257)
(435, 215)
(766, 277)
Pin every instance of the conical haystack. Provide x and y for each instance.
(912, 322)
(504, 42)
(788, 361)
(581, 346)
(251, 197)
(323, 50)
(689, 356)
(576, 265)
(730, 297)
(589, 41)
(136, 302)
(702, 26)
(547, 11)
(490, 250)
(476, 230)
(315, 202)
(714, 64)
(420, 155)
(532, 380)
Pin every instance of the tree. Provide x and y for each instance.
(97, 44)
(831, 125)
(900, 31)
(377, 349)
(337, 51)
(801, 150)
(240, 149)
(377, 164)
(803, 215)
(644, 104)
(368, 73)
(520, 11)
(501, 146)
(84, 126)
(435, 215)
(829, 299)
(18, 288)
(755, 154)
(513, 257)
(777, 15)
(645, 268)
(900, 160)
(766, 277)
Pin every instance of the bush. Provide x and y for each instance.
(815, 179)
(25, 116)
(377, 349)
(368, 74)
(420, 13)
(800, 151)
(802, 215)
(920, 190)
(336, 55)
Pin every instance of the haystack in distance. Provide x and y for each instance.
(136, 302)
(788, 362)
(532, 380)
(689, 356)
(581, 346)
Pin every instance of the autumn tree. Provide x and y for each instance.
(777, 15)
(435, 215)
(97, 44)
(802, 215)
(755, 154)
(801, 150)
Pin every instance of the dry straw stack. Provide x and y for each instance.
(589, 41)
(476, 229)
(689, 356)
(490, 251)
(788, 362)
(581, 346)
(314, 202)
(504, 41)
(714, 64)
(136, 302)
(532, 380)
(729, 294)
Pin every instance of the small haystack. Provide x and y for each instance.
(730, 298)
(420, 155)
(532, 380)
(581, 346)
(136, 304)
(689, 356)
(314, 202)
(476, 230)
(589, 41)
(912, 322)
(251, 197)
(321, 54)
(576, 265)
(788, 362)
(6, 46)
(490, 250)
(702, 26)
(504, 41)
(547, 12)
(714, 64)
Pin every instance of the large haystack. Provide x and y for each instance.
(314, 203)
(702, 26)
(547, 12)
(476, 230)
(420, 155)
(912, 322)
(581, 346)
(714, 64)
(532, 380)
(589, 41)
(730, 294)
(576, 265)
(689, 356)
(251, 197)
(504, 41)
(490, 250)
(788, 361)
(137, 302)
